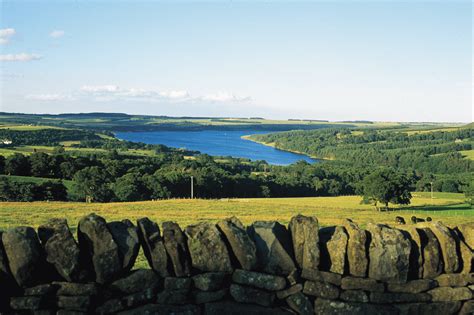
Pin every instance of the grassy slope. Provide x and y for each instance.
(273, 145)
(29, 149)
(468, 154)
(101, 121)
(26, 127)
(111, 121)
(329, 210)
(408, 130)
(37, 180)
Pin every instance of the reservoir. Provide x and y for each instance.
(217, 142)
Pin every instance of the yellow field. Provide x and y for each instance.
(273, 145)
(412, 132)
(27, 127)
(29, 149)
(446, 207)
(468, 154)
(329, 210)
(244, 121)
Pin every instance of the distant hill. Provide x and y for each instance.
(125, 122)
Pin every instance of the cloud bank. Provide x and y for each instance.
(5, 35)
(20, 57)
(225, 97)
(49, 97)
(111, 92)
(56, 34)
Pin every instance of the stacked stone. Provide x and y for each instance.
(137, 288)
(396, 272)
(75, 297)
(34, 298)
(227, 268)
(59, 297)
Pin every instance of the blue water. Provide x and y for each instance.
(217, 142)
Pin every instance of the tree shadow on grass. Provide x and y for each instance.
(455, 207)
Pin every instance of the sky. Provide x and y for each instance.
(334, 60)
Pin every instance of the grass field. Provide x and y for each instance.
(114, 121)
(29, 149)
(412, 132)
(273, 145)
(253, 121)
(468, 154)
(447, 207)
(36, 180)
(27, 127)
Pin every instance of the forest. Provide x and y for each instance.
(433, 156)
(116, 177)
(45, 136)
(113, 173)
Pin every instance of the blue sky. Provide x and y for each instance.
(340, 60)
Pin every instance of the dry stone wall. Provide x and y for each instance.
(227, 268)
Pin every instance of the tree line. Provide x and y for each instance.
(116, 175)
(113, 176)
(120, 177)
(49, 137)
(434, 155)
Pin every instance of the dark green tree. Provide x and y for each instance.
(156, 188)
(469, 192)
(5, 189)
(2, 164)
(53, 190)
(40, 164)
(386, 186)
(130, 187)
(17, 164)
(92, 184)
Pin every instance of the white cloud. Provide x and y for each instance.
(56, 34)
(20, 57)
(225, 97)
(49, 97)
(100, 88)
(110, 93)
(175, 94)
(7, 32)
(5, 35)
(10, 76)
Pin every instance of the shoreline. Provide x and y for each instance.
(272, 145)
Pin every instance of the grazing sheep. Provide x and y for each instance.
(400, 220)
(415, 220)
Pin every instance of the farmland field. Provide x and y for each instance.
(468, 154)
(29, 149)
(447, 207)
(36, 180)
(26, 127)
(123, 122)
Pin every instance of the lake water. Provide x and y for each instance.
(215, 142)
